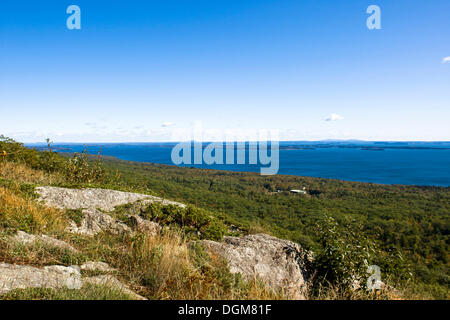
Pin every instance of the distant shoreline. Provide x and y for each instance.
(419, 164)
(115, 159)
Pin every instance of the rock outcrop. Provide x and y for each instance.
(281, 264)
(95, 221)
(95, 202)
(103, 199)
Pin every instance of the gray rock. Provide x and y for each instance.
(29, 239)
(281, 264)
(145, 226)
(112, 282)
(103, 199)
(57, 277)
(96, 266)
(93, 202)
(95, 221)
(22, 277)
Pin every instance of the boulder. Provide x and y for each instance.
(281, 264)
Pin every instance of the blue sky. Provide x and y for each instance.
(140, 70)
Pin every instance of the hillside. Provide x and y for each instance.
(402, 229)
(409, 224)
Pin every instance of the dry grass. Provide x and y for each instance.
(257, 227)
(159, 263)
(412, 291)
(26, 215)
(23, 174)
(331, 292)
(87, 292)
(167, 267)
(38, 254)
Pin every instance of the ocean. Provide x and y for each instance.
(408, 163)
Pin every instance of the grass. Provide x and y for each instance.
(26, 215)
(87, 292)
(22, 173)
(168, 267)
(76, 215)
(333, 292)
(38, 254)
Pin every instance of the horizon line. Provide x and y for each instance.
(223, 141)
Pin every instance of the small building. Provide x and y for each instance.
(303, 191)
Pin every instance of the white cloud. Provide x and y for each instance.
(334, 117)
(446, 59)
(167, 124)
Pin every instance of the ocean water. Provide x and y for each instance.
(417, 163)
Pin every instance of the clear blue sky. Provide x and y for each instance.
(137, 70)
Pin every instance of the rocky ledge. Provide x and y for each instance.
(95, 203)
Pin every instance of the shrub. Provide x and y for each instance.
(80, 170)
(194, 222)
(343, 256)
(16, 152)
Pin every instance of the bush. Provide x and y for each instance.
(13, 151)
(343, 256)
(80, 170)
(194, 222)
